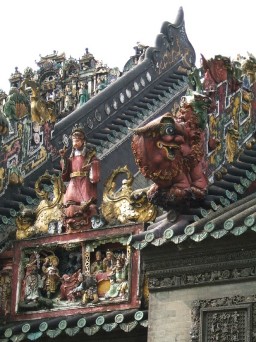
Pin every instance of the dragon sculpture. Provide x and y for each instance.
(33, 222)
(125, 205)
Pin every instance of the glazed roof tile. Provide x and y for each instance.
(88, 324)
(142, 93)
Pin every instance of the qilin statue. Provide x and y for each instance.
(41, 110)
(39, 221)
(170, 151)
(125, 205)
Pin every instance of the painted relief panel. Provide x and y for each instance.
(229, 125)
(25, 149)
(77, 274)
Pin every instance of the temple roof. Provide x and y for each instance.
(144, 93)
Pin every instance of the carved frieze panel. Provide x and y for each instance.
(77, 273)
(202, 259)
(205, 270)
(196, 278)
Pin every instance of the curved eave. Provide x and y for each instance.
(88, 324)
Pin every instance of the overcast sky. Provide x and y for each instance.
(111, 28)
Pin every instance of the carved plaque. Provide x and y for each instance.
(226, 324)
(227, 319)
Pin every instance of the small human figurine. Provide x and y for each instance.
(109, 262)
(32, 279)
(74, 263)
(83, 95)
(68, 283)
(86, 290)
(121, 276)
(118, 281)
(97, 265)
(103, 269)
(68, 101)
(101, 84)
(51, 276)
(82, 171)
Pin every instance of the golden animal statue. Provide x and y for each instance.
(32, 222)
(123, 206)
(41, 110)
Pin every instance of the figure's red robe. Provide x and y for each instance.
(82, 184)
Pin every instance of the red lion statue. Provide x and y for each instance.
(170, 151)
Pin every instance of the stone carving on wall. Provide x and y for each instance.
(195, 278)
(213, 270)
(230, 319)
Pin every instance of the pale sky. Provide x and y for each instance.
(111, 28)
